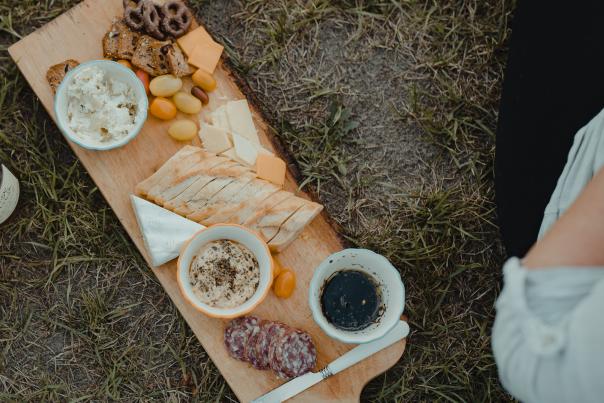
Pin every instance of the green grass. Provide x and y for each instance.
(389, 110)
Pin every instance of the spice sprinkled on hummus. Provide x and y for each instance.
(224, 274)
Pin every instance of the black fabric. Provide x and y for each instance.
(554, 85)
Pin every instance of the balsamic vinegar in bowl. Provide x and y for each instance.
(356, 296)
(350, 300)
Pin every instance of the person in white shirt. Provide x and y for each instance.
(548, 336)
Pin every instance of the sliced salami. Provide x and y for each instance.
(252, 354)
(237, 333)
(294, 355)
(277, 332)
(259, 358)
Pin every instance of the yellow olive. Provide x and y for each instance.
(163, 109)
(203, 79)
(165, 86)
(183, 130)
(285, 284)
(187, 103)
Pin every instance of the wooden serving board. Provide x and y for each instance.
(77, 35)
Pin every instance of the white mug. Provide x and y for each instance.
(9, 194)
(390, 284)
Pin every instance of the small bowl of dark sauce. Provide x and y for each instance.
(356, 296)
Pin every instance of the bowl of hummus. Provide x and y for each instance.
(225, 271)
(101, 105)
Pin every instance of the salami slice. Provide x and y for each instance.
(251, 352)
(250, 347)
(277, 332)
(237, 333)
(295, 355)
(259, 356)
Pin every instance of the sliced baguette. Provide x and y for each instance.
(265, 206)
(185, 179)
(179, 204)
(294, 225)
(244, 203)
(188, 163)
(268, 226)
(143, 188)
(221, 200)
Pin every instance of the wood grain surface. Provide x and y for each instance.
(77, 35)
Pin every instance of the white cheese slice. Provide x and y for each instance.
(214, 139)
(220, 118)
(245, 149)
(164, 232)
(252, 150)
(230, 153)
(240, 120)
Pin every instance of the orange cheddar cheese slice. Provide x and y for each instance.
(188, 42)
(271, 168)
(206, 55)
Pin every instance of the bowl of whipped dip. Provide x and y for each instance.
(101, 105)
(225, 271)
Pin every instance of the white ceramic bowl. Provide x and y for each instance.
(117, 72)
(391, 288)
(236, 233)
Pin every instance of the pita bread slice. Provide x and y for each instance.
(265, 206)
(222, 199)
(201, 199)
(145, 186)
(294, 225)
(179, 203)
(268, 226)
(244, 203)
(185, 177)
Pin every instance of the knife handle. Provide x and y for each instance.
(359, 353)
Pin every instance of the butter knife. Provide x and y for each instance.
(354, 356)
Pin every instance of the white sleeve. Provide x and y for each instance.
(548, 337)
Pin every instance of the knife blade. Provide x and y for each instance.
(354, 356)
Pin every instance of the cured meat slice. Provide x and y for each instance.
(237, 333)
(250, 349)
(275, 351)
(295, 355)
(259, 355)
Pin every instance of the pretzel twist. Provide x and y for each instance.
(172, 19)
(133, 14)
(176, 19)
(153, 18)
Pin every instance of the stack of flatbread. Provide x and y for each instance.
(211, 189)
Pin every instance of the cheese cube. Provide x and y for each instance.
(220, 118)
(189, 41)
(214, 139)
(271, 168)
(240, 120)
(206, 55)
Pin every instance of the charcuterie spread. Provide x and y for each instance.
(232, 179)
(271, 345)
